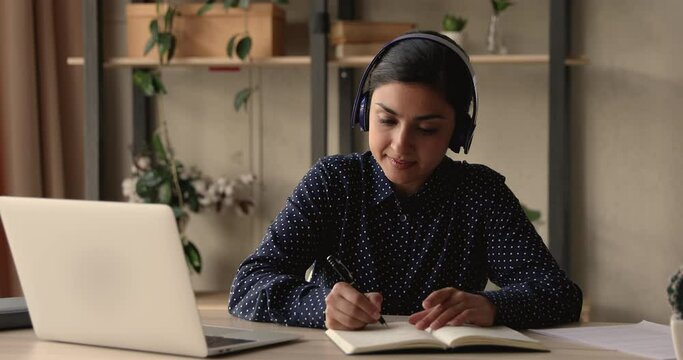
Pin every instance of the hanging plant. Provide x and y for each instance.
(157, 176)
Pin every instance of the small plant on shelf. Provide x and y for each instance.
(675, 292)
(452, 27)
(494, 39)
(453, 23)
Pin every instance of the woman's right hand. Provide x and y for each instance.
(348, 309)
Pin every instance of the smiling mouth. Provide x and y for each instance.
(400, 164)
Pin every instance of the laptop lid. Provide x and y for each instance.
(104, 273)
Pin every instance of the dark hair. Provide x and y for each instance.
(429, 63)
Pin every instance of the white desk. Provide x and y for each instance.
(23, 344)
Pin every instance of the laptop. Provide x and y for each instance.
(112, 274)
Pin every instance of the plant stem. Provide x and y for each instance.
(169, 151)
(164, 125)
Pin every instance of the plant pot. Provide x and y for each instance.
(457, 36)
(677, 336)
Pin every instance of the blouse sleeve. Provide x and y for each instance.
(534, 292)
(269, 285)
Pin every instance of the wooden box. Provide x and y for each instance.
(207, 35)
(349, 31)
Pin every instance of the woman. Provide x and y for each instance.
(420, 232)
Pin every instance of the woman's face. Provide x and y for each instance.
(410, 129)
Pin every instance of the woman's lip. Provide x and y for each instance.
(400, 164)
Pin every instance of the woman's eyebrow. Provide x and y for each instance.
(417, 118)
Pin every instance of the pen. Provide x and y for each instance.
(346, 276)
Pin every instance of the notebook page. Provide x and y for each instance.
(378, 336)
(448, 333)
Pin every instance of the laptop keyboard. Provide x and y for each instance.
(219, 341)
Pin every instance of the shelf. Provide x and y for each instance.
(286, 61)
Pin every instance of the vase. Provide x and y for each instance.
(457, 36)
(494, 39)
(677, 336)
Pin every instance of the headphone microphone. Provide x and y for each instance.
(464, 124)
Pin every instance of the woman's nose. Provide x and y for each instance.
(402, 139)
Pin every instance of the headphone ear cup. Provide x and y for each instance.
(363, 118)
(462, 135)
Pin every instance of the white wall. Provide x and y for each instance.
(627, 155)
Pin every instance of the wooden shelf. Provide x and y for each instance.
(287, 61)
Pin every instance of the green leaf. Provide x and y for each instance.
(147, 185)
(143, 80)
(241, 98)
(208, 4)
(168, 18)
(150, 44)
(231, 45)
(165, 43)
(500, 5)
(453, 23)
(193, 257)
(178, 212)
(158, 85)
(154, 29)
(171, 49)
(164, 194)
(243, 47)
(230, 3)
(244, 4)
(533, 215)
(159, 149)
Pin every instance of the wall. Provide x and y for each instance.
(627, 156)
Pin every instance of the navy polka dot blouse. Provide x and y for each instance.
(462, 227)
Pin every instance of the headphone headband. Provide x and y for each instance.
(361, 102)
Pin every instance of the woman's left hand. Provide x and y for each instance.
(450, 306)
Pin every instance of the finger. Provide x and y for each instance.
(447, 316)
(340, 321)
(416, 317)
(336, 302)
(360, 301)
(465, 317)
(376, 299)
(332, 323)
(431, 316)
(353, 311)
(438, 297)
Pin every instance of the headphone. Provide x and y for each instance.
(465, 123)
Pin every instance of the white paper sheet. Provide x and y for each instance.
(645, 339)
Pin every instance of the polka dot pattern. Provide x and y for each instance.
(462, 227)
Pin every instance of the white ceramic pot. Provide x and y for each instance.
(677, 336)
(457, 36)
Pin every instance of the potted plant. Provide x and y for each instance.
(675, 292)
(453, 27)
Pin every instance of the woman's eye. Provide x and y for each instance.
(428, 131)
(387, 121)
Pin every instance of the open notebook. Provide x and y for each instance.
(403, 335)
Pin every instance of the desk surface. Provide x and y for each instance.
(23, 344)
